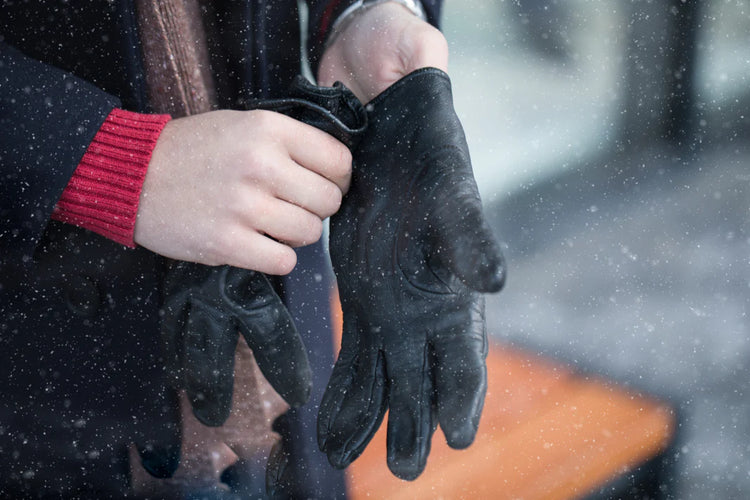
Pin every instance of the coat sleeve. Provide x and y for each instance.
(48, 118)
(323, 13)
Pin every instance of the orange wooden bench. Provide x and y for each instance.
(546, 433)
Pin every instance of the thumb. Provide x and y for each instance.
(462, 238)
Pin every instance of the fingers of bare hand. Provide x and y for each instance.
(308, 190)
(285, 222)
(321, 153)
(253, 250)
(301, 164)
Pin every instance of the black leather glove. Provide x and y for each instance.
(412, 253)
(206, 308)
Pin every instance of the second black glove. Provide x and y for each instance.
(413, 254)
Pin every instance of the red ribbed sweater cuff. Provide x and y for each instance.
(103, 193)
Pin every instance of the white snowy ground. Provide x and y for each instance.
(643, 276)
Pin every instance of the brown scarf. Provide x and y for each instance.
(180, 82)
(175, 53)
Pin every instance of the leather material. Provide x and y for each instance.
(97, 42)
(205, 307)
(412, 253)
(334, 110)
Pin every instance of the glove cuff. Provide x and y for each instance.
(334, 110)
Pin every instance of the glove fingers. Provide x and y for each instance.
(269, 331)
(344, 371)
(360, 414)
(338, 384)
(210, 345)
(353, 405)
(243, 479)
(411, 416)
(283, 361)
(330, 404)
(173, 323)
(277, 471)
(463, 236)
(461, 380)
(160, 451)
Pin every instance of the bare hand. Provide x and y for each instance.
(380, 46)
(240, 188)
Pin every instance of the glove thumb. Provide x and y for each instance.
(463, 240)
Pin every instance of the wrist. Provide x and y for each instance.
(104, 191)
(378, 47)
(361, 6)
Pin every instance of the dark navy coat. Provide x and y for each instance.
(80, 374)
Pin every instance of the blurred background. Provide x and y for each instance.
(611, 144)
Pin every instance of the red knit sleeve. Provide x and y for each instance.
(103, 193)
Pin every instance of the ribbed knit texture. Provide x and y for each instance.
(103, 193)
